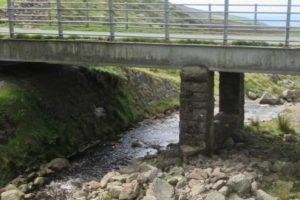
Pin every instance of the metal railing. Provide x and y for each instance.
(158, 19)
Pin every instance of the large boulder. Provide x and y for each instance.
(269, 99)
(291, 95)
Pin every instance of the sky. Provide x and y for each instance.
(261, 17)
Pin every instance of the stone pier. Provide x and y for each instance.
(230, 119)
(200, 131)
(196, 110)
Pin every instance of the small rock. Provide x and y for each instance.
(18, 181)
(252, 96)
(218, 184)
(254, 187)
(39, 181)
(92, 185)
(197, 189)
(173, 181)
(277, 166)
(115, 190)
(198, 174)
(59, 164)
(130, 190)
(215, 196)
(29, 196)
(188, 150)
(262, 195)
(106, 178)
(23, 188)
(136, 144)
(161, 190)
(224, 190)
(234, 197)
(240, 184)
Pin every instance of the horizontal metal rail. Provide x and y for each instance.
(278, 23)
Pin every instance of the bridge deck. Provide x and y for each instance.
(217, 58)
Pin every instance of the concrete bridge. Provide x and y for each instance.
(200, 130)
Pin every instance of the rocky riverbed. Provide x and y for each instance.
(257, 164)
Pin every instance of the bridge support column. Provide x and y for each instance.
(196, 110)
(230, 118)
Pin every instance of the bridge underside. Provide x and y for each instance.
(200, 130)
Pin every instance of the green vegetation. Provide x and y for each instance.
(43, 116)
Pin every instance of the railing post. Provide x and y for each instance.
(49, 12)
(209, 14)
(166, 19)
(288, 23)
(87, 13)
(255, 17)
(226, 15)
(10, 13)
(111, 20)
(126, 14)
(59, 18)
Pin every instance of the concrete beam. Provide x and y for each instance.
(215, 58)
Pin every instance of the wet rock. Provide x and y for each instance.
(45, 171)
(130, 190)
(32, 176)
(240, 184)
(14, 194)
(40, 181)
(262, 195)
(23, 188)
(59, 164)
(106, 178)
(215, 196)
(137, 144)
(161, 190)
(269, 99)
(29, 196)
